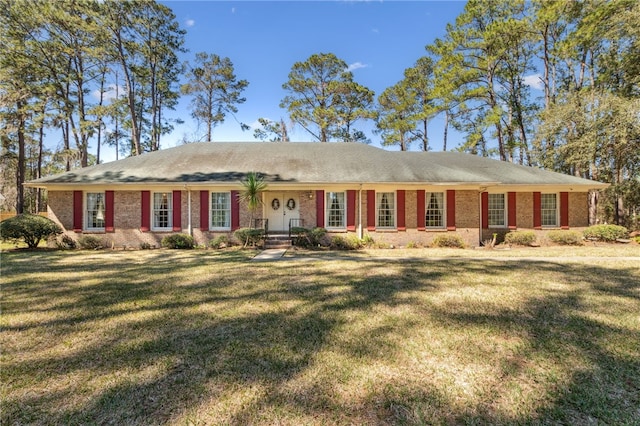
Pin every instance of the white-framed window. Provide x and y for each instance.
(434, 210)
(336, 210)
(497, 211)
(162, 213)
(220, 217)
(94, 211)
(549, 209)
(385, 209)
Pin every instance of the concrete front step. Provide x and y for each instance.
(277, 241)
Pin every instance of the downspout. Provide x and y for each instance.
(189, 227)
(360, 212)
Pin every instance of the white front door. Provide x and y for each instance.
(280, 209)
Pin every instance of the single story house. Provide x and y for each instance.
(396, 197)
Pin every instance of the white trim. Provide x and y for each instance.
(505, 212)
(85, 212)
(395, 211)
(557, 211)
(169, 226)
(427, 196)
(327, 207)
(210, 209)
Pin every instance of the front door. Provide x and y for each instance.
(280, 209)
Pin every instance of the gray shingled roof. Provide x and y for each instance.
(307, 162)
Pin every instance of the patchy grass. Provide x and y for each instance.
(208, 337)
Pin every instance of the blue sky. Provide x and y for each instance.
(263, 39)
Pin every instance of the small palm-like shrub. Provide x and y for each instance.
(565, 238)
(605, 232)
(178, 241)
(30, 228)
(448, 240)
(520, 238)
(90, 242)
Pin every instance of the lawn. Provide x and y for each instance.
(210, 337)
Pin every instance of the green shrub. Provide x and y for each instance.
(178, 241)
(145, 246)
(605, 232)
(90, 242)
(66, 243)
(520, 238)
(305, 237)
(249, 236)
(448, 240)
(351, 242)
(30, 228)
(219, 242)
(636, 239)
(565, 238)
(368, 241)
(413, 244)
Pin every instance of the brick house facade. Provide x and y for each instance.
(397, 198)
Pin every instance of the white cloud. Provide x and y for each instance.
(534, 81)
(233, 10)
(190, 22)
(356, 65)
(110, 93)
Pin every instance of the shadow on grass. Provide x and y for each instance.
(154, 337)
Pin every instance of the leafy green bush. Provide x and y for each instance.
(178, 241)
(305, 237)
(565, 238)
(30, 228)
(219, 242)
(351, 242)
(249, 236)
(448, 240)
(605, 232)
(520, 238)
(90, 242)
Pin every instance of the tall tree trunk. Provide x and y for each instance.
(446, 129)
(20, 167)
(40, 155)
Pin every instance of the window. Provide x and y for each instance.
(95, 211)
(497, 210)
(386, 209)
(162, 211)
(220, 210)
(335, 210)
(434, 211)
(549, 209)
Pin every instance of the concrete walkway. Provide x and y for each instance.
(270, 254)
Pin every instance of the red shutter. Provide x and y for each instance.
(204, 210)
(451, 210)
(77, 211)
(511, 210)
(235, 211)
(371, 210)
(145, 209)
(177, 211)
(485, 209)
(564, 210)
(351, 210)
(537, 210)
(320, 208)
(400, 195)
(109, 211)
(420, 208)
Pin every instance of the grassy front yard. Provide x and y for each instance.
(204, 337)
